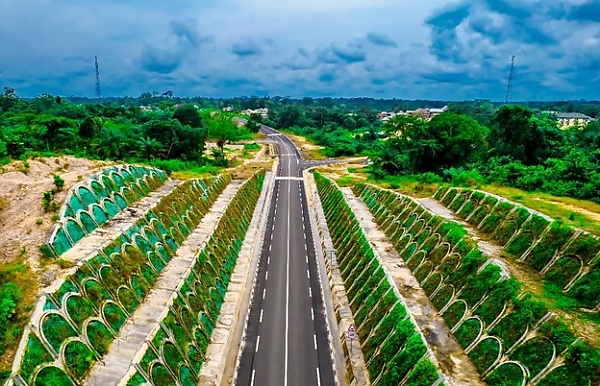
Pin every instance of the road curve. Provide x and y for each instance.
(286, 340)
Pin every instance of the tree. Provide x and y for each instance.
(148, 148)
(188, 115)
(164, 131)
(222, 130)
(253, 123)
(515, 134)
(108, 144)
(460, 139)
(89, 128)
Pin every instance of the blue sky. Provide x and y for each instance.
(410, 49)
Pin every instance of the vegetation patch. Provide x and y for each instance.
(392, 346)
(112, 284)
(492, 315)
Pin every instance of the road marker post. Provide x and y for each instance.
(351, 334)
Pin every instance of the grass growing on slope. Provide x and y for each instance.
(18, 287)
(578, 213)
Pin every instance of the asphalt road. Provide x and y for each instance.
(286, 337)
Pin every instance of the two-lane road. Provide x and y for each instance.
(286, 337)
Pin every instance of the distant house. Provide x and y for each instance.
(263, 112)
(424, 113)
(571, 119)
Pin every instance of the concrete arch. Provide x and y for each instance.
(423, 271)
(435, 279)
(86, 195)
(415, 261)
(481, 340)
(479, 333)
(464, 314)
(432, 241)
(416, 227)
(552, 358)
(524, 371)
(41, 330)
(153, 366)
(87, 222)
(569, 283)
(439, 253)
(410, 249)
(38, 371)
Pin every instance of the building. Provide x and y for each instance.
(570, 119)
(263, 112)
(573, 119)
(424, 113)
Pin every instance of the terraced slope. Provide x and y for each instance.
(510, 333)
(74, 323)
(176, 349)
(565, 257)
(394, 350)
(98, 199)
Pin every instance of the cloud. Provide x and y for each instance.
(442, 49)
(586, 12)
(349, 53)
(449, 17)
(188, 30)
(162, 61)
(246, 48)
(180, 44)
(381, 40)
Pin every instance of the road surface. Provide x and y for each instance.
(286, 338)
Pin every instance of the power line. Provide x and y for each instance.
(98, 92)
(510, 80)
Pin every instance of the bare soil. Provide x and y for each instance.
(309, 150)
(23, 224)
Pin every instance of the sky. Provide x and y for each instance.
(406, 49)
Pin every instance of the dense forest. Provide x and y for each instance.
(472, 143)
(167, 134)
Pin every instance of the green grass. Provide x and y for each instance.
(555, 207)
(409, 185)
(20, 275)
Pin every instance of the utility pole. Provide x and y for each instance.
(98, 92)
(510, 79)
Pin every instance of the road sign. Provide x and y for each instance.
(352, 332)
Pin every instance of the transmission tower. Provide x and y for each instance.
(510, 79)
(98, 92)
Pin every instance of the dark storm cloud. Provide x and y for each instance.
(156, 59)
(381, 40)
(444, 38)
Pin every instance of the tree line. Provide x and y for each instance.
(162, 134)
(471, 143)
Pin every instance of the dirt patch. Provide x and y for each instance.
(308, 150)
(23, 224)
(592, 215)
(260, 160)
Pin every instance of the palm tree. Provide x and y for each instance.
(108, 144)
(148, 148)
